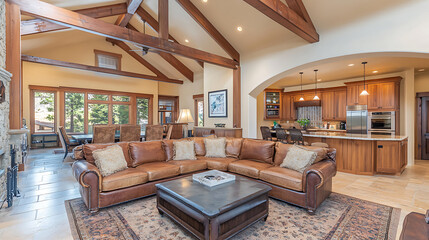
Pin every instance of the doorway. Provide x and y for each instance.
(423, 125)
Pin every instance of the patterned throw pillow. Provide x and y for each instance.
(184, 150)
(215, 147)
(298, 159)
(110, 160)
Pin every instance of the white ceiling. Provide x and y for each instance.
(340, 70)
(259, 32)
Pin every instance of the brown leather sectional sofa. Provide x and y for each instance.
(151, 162)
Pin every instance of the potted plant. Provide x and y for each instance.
(304, 123)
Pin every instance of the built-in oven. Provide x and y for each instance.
(381, 123)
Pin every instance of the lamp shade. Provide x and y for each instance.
(185, 116)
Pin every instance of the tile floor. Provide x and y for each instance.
(40, 213)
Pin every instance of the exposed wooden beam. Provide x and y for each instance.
(40, 26)
(69, 18)
(155, 26)
(163, 18)
(282, 14)
(173, 61)
(132, 6)
(58, 63)
(13, 64)
(137, 57)
(299, 8)
(209, 28)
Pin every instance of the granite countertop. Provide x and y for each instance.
(324, 130)
(369, 137)
(218, 128)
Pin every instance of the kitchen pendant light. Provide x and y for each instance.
(301, 98)
(315, 81)
(364, 92)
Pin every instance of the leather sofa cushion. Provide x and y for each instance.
(200, 149)
(233, 147)
(126, 178)
(159, 170)
(282, 177)
(220, 164)
(168, 147)
(321, 152)
(258, 150)
(281, 152)
(187, 166)
(88, 149)
(146, 152)
(248, 167)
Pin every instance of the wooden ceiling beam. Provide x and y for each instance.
(285, 16)
(40, 26)
(58, 63)
(136, 56)
(299, 8)
(75, 20)
(151, 21)
(132, 6)
(209, 28)
(173, 61)
(163, 19)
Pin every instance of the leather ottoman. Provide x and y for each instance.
(415, 227)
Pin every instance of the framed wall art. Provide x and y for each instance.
(218, 104)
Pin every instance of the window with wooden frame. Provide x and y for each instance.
(43, 117)
(168, 109)
(199, 110)
(107, 60)
(81, 109)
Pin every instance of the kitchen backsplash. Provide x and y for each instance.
(313, 113)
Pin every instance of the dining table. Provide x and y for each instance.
(86, 138)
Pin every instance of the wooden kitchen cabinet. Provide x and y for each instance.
(353, 95)
(288, 107)
(391, 156)
(272, 104)
(341, 105)
(361, 154)
(328, 106)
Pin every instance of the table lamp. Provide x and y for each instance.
(185, 117)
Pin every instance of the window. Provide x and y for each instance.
(43, 111)
(97, 114)
(142, 112)
(74, 108)
(121, 114)
(107, 60)
(167, 109)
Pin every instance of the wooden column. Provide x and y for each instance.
(13, 63)
(163, 18)
(236, 97)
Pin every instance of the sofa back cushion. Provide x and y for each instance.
(281, 152)
(88, 149)
(200, 149)
(168, 147)
(258, 150)
(146, 152)
(233, 147)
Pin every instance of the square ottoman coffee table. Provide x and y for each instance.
(216, 212)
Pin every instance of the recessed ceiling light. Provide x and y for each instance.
(421, 70)
(375, 71)
(319, 80)
(186, 40)
(205, 1)
(351, 65)
(239, 29)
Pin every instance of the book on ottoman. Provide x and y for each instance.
(213, 178)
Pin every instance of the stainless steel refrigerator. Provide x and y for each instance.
(357, 119)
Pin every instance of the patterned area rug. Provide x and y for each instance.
(339, 217)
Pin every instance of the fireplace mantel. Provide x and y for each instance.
(5, 75)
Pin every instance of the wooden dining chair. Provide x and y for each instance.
(104, 134)
(130, 133)
(296, 136)
(281, 135)
(154, 132)
(266, 133)
(67, 143)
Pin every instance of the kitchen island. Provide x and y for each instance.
(365, 154)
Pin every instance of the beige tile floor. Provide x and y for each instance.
(40, 213)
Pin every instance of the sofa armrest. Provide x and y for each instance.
(324, 169)
(87, 174)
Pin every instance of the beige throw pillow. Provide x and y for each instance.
(298, 159)
(184, 150)
(215, 147)
(110, 160)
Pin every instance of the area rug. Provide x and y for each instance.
(339, 217)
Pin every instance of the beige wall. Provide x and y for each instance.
(422, 82)
(187, 92)
(218, 78)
